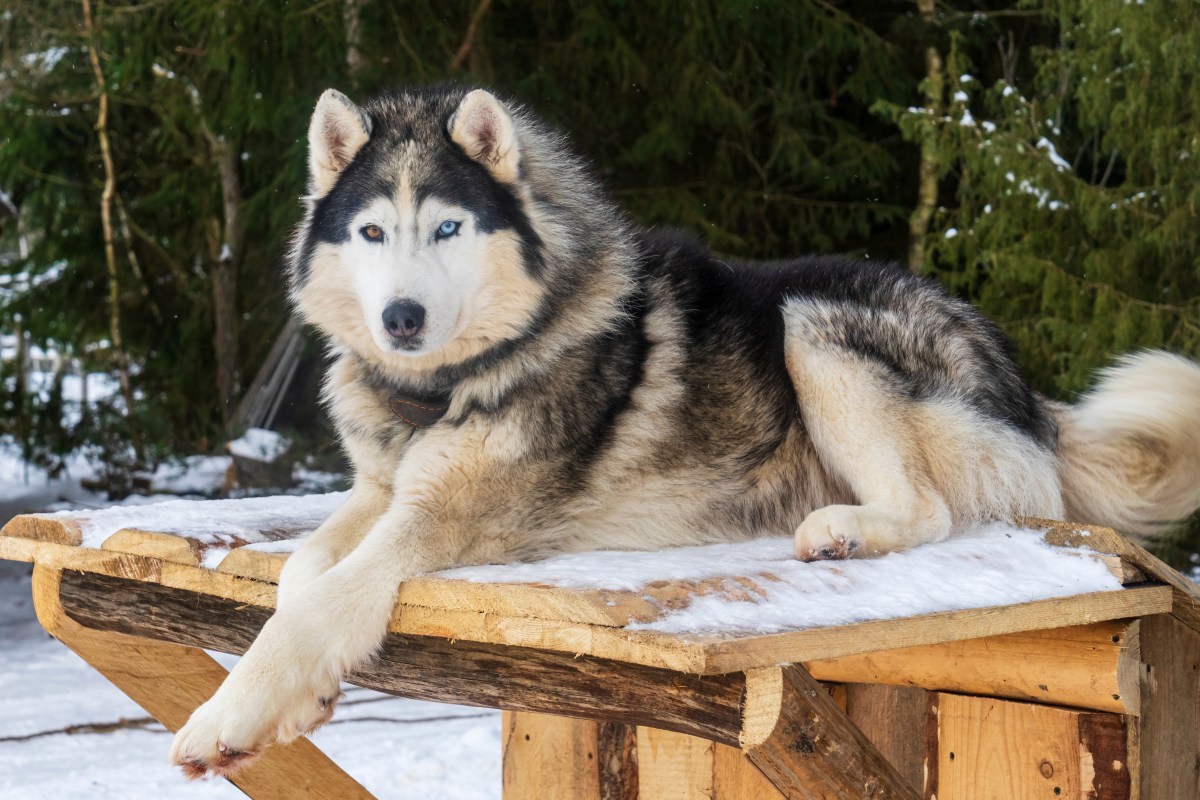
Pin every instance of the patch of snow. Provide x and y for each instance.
(46, 59)
(996, 564)
(216, 524)
(951, 233)
(259, 444)
(961, 97)
(203, 475)
(1060, 163)
(311, 481)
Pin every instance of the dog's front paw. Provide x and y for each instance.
(829, 533)
(232, 729)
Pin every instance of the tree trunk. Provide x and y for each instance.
(226, 244)
(120, 358)
(927, 186)
(351, 12)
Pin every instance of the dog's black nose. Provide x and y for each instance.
(404, 318)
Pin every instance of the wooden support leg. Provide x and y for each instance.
(170, 681)
(807, 747)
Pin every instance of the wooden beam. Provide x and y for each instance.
(807, 746)
(170, 681)
(429, 668)
(1088, 666)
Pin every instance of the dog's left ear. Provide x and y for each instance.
(482, 127)
(337, 131)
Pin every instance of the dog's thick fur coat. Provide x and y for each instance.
(614, 389)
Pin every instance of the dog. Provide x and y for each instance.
(517, 371)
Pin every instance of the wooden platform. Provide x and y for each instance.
(919, 706)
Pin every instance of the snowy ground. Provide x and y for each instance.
(68, 734)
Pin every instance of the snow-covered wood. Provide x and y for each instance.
(709, 609)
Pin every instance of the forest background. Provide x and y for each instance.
(1040, 159)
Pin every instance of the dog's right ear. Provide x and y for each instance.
(337, 131)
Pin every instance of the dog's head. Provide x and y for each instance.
(421, 244)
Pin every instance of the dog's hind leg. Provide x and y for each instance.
(865, 434)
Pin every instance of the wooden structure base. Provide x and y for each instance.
(1094, 696)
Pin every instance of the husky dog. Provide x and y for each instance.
(519, 372)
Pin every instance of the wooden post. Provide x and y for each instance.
(170, 681)
(547, 756)
(1166, 745)
(893, 719)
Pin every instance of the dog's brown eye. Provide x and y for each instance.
(372, 233)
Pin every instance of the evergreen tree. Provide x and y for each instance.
(1071, 180)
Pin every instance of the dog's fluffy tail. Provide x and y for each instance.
(1129, 451)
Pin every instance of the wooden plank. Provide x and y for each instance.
(616, 745)
(253, 564)
(1069, 534)
(170, 681)
(1168, 742)
(1088, 666)
(990, 748)
(673, 766)
(893, 719)
(547, 756)
(44, 528)
(948, 626)
(734, 777)
(163, 546)
(812, 750)
(430, 668)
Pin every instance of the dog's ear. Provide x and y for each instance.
(482, 127)
(337, 131)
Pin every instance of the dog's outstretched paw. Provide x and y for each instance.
(212, 743)
(833, 532)
(224, 736)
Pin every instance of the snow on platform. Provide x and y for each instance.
(749, 587)
(995, 565)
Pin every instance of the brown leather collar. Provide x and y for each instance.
(419, 411)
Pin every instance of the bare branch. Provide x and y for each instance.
(464, 49)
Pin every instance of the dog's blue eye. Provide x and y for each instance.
(447, 229)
